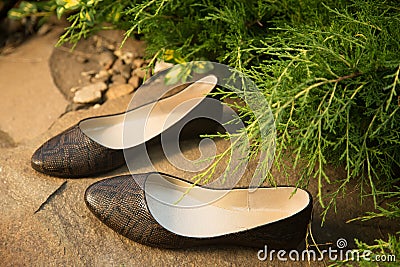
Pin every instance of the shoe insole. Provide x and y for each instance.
(204, 212)
(141, 124)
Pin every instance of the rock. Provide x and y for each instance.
(127, 57)
(134, 81)
(106, 59)
(162, 65)
(89, 73)
(100, 86)
(96, 106)
(118, 79)
(102, 76)
(118, 90)
(74, 89)
(137, 63)
(87, 77)
(118, 53)
(139, 72)
(126, 71)
(118, 66)
(90, 93)
(110, 47)
(87, 96)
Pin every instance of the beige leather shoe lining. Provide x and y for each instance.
(206, 212)
(140, 125)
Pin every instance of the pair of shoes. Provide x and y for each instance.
(157, 209)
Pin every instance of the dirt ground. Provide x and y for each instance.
(44, 220)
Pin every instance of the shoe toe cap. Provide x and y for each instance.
(94, 199)
(37, 160)
(104, 196)
(47, 163)
(119, 203)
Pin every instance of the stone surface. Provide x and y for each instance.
(118, 90)
(89, 94)
(29, 100)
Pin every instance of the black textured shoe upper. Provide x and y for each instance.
(73, 154)
(120, 203)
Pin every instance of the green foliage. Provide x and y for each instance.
(26, 9)
(329, 70)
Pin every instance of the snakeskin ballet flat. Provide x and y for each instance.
(158, 210)
(95, 145)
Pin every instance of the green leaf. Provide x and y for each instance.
(60, 11)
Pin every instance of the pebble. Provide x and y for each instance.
(110, 47)
(87, 96)
(89, 73)
(134, 81)
(118, 65)
(162, 65)
(137, 63)
(126, 71)
(106, 59)
(90, 93)
(139, 72)
(118, 53)
(102, 76)
(74, 89)
(123, 69)
(127, 57)
(118, 79)
(118, 90)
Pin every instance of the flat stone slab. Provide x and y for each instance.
(29, 100)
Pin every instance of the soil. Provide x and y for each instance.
(44, 220)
